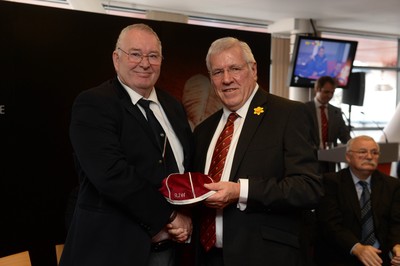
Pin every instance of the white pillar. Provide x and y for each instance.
(293, 27)
(392, 132)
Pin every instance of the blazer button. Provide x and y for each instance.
(160, 161)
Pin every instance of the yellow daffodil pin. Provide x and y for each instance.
(258, 110)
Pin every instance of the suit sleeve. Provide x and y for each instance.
(295, 182)
(343, 129)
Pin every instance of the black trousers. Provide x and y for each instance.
(214, 257)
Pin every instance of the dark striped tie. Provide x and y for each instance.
(324, 126)
(368, 235)
(167, 153)
(207, 223)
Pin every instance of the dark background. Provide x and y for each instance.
(48, 56)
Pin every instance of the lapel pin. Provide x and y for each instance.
(258, 110)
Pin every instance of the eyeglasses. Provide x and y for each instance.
(137, 57)
(364, 153)
(233, 70)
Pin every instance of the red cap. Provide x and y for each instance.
(187, 188)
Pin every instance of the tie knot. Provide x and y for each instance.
(144, 103)
(232, 117)
(322, 107)
(364, 184)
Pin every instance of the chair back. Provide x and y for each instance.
(18, 259)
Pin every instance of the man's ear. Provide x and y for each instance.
(347, 158)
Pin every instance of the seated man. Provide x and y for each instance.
(359, 216)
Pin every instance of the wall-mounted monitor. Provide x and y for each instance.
(314, 57)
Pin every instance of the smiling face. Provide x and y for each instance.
(232, 78)
(141, 76)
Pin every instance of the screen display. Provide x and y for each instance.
(314, 57)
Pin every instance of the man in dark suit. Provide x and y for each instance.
(341, 216)
(270, 173)
(324, 90)
(120, 217)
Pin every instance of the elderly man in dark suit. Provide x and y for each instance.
(329, 125)
(121, 218)
(269, 175)
(359, 216)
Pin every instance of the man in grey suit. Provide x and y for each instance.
(336, 127)
(120, 217)
(270, 173)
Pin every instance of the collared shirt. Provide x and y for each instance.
(359, 190)
(159, 113)
(238, 125)
(318, 112)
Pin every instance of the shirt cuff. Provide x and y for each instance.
(244, 193)
(351, 250)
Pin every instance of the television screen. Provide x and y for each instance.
(314, 57)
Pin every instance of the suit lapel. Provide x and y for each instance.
(250, 126)
(205, 138)
(332, 126)
(376, 191)
(174, 120)
(134, 111)
(350, 192)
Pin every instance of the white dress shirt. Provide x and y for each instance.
(159, 113)
(244, 188)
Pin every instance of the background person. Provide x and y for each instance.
(120, 217)
(270, 172)
(336, 127)
(340, 212)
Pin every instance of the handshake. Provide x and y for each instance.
(182, 189)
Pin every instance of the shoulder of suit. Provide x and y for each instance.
(271, 98)
(105, 89)
(166, 96)
(337, 176)
(333, 107)
(386, 178)
(205, 124)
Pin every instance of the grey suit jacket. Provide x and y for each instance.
(119, 207)
(337, 128)
(275, 152)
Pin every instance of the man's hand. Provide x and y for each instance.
(227, 193)
(162, 235)
(396, 255)
(367, 254)
(180, 229)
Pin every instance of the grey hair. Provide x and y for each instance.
(222, 44)
(362, 137)
(139, 26)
